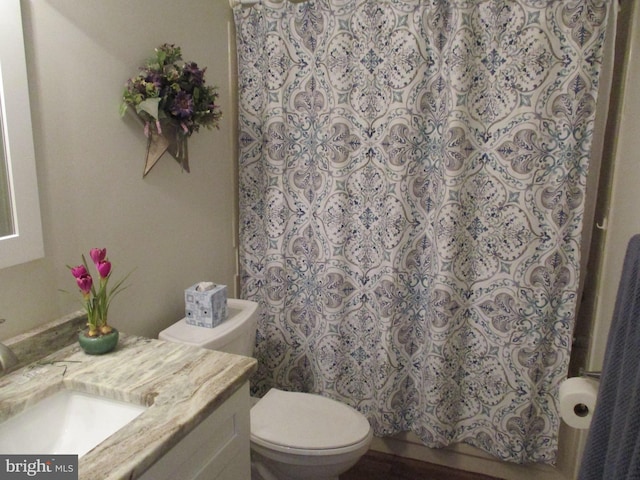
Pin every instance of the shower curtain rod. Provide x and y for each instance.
(235, 3)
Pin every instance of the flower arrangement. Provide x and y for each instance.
(97, 298)
(168, 89)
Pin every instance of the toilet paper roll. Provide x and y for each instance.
(578, 401)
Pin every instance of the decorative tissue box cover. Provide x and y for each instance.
(206, 308)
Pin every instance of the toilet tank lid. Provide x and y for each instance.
(238, 311)
(306, 421)
(183, 333)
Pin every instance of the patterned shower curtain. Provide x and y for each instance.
(412, 181)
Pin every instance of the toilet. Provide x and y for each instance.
(294, 435)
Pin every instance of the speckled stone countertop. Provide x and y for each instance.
(180, 384)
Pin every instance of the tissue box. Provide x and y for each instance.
(205, 308)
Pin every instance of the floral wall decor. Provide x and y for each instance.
(171, 98)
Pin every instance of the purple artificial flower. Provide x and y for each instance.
(98, 255)
(79, 271)
(104, 268)
(85, 283)
(194, 75)
(155, 78)
(182, 106)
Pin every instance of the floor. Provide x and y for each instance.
(381, 466)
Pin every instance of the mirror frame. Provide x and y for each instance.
(26, 243)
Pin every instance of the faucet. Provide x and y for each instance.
(8, 359)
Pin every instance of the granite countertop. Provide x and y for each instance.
(180, 384)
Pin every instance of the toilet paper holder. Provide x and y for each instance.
(584, 373)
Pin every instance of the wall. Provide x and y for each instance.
(173, 228)
(623, 216)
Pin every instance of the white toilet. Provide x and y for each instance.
(293, 435)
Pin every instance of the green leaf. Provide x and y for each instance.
(150, 106)
(162, 56)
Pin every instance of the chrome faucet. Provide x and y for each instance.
(8, 359)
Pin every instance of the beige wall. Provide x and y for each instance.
(623, 218)
(174, 228)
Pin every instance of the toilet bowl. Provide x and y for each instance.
(301, 435)
(293, 435)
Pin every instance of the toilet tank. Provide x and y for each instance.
(237, 334)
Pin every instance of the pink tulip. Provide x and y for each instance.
(85, 282)
(98, 255)
(104, 268)
(79, 271)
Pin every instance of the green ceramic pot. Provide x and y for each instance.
(98, 345)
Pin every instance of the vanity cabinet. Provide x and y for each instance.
(217, 449)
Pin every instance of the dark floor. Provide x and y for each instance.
(381, 466)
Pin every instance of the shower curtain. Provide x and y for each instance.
(412, 180)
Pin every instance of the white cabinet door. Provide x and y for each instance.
(217, 449)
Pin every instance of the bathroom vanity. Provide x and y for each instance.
(196, 425)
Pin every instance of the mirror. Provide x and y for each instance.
(20, 225)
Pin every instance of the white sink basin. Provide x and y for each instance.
(67, 422)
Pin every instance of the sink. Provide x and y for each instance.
(67, 422)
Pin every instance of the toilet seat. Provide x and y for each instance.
(307, 424)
